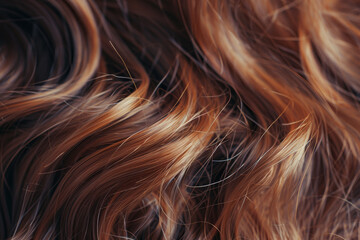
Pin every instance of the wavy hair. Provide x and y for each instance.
(179, 119)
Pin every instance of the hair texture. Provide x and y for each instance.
(179, 119)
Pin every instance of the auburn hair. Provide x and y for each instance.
(179, 119)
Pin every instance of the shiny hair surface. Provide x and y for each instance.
(179, 119)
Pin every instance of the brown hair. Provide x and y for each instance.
(187, 119)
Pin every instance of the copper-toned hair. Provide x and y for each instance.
(179, 119)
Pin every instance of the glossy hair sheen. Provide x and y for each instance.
(179, 119)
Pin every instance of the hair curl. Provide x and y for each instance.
(180, 119)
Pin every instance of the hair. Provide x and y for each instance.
(181, 119)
